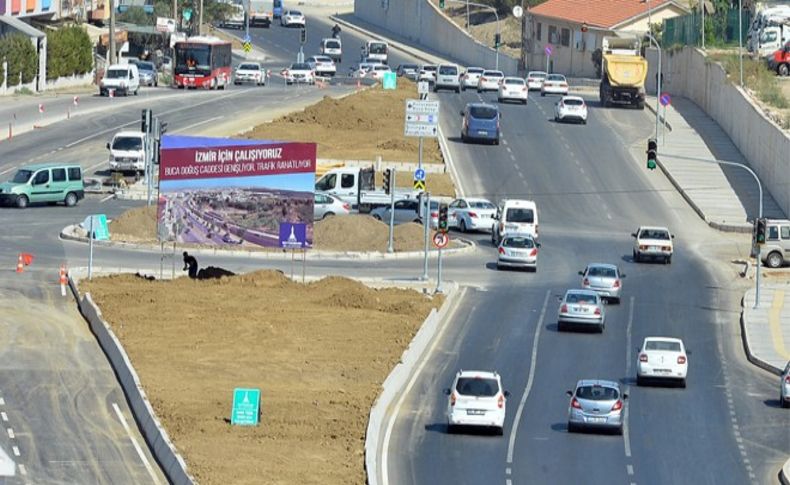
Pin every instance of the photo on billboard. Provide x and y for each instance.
(236, 193)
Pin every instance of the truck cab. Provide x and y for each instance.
(780, 61)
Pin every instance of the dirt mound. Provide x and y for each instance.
(318, 352)
(135, 225)
(364, 233)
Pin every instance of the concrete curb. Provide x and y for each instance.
(469, 246)
(660, 117)
(784, 473)
(394, 383)
(745, 337)
(163, 450)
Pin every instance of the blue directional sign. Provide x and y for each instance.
(247, 39)
(419, 174)
(246, 407)
(293, 235)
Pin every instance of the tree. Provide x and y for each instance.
(136, 15)
(18, 51)
(69, 52)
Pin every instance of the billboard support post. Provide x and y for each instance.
(426, 222)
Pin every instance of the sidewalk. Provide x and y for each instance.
(725, 197)
(766, 330)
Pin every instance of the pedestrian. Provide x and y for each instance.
(191, 264)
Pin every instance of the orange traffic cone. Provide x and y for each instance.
(63, 280)
(20, 267)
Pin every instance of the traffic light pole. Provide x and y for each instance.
(426, 223)
(658, 81)
(390, 247)
(760, 210)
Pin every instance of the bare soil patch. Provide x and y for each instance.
(318, 352)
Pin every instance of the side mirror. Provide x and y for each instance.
(462, 112)
(672, 236)
(447, 392)
(623, 275)
(581, 273)
(537, 244)
(108, 145)
(688, 352)
(559, 297)
(625, 395)
(507, 393)
(569, 393)
(633, 234)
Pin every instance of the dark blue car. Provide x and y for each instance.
(481, 122)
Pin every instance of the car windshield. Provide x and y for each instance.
(516, 214)
(518, 242)
(332, 44)
(481, 204)
(409, 67)
(556, 77)
(519, 82)
(116, 74)
(127, 143)
(145, 66)
(581, 298)
(493, 74)
(300, 67)
(429, 68)
(448, 70)
(249, 67)
(602, 272)
(597, 393)
(573, 102)
(22, 176)
(378, 48)
(654, 234)
(478, 387)
(662, 345)
(483, 112)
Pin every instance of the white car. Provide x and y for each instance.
(554, 84)
(518, 251)
(249, 72)
(471, 214)
(784, 387)
(322, 65)
(535, 79)
(489, 81)
(326, 205)
(662, 358)
(476, 398)
(365, 67)
(571, 108)
(292, 17)
(514, 216)
(512, 89)
(653, 243)
(471, 77)
(428, 73)
(299, 73)
(377, 72)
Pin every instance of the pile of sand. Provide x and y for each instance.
(135, 225)
(318, 353)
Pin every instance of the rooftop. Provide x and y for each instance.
(597, 13)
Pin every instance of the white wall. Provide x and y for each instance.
(423, 23)
(764, 144)
(71, 81)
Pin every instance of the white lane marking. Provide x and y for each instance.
(626, 435)
(96, 165)
(504, 142)
(508, 471)
(2, 401)
(396, 410)
(22, 469)
(15, 449)
(508, 482)
(134, 442)
(533, 360)
(193, 125)
(10, 432)
(509, 150)
(512, 157)
(107, 198)
(7, 170)
(629, 469)
(4, 416)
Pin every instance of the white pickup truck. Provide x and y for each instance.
(357, 186)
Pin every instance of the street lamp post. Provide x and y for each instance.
(658, 81)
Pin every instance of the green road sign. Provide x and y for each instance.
(246, 407)
(390, 80)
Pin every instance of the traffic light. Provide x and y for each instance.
(145, 121)
(441, 3)
(652, 153)
(162, 128)
(759, 236)
(497, 40)
(387, 180)
(443, 217)
(303, 35)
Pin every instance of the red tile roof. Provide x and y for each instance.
(597, 13)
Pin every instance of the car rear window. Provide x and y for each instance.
(332, 44)
(514, 81)
(145, 66)
(300, 67)
(604, 272)
(479, 387)
(493, 74)
(573, 102)
(519, 242)
(537, 74)
(483, 112)
(448, 70)
(597, 393)
(581, 298)
(249, 67)
(517, 214)
(662, 345)
(429, 68)
(474, 70)
(556, 77)
(654, 234)
(478, 204)
(409, 67)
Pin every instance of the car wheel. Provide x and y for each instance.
(464, 139)
(619, 430)
(542, 94)
(328, 214)
(479, 91)
(584, 122)
(636, 257)
(560, 327)
(571, 427)
(683, 383)
(499, 430)
(70, 200)
(377, 217)
(451, 429)
(21, 201)
(499, 100)
(783, 402)
(496, 141)
(783, 70)
(774, 260)
(462, 226)
(640, 381)
(668, 260)
(556, 119)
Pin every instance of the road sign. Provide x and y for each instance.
(441, 239)
(101, 230)
(390, 80)
(423, 87)
(547, 50)
(247, 47)
(518, 11)
(419, 174)
(247, 39)
(164, 24)
(246, 407)
(419, 185)
(293, 235)
(665, 99)
(422, 118)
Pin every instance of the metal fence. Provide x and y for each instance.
(721, 28)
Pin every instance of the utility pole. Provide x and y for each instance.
(200, 19)
(112, 33)
(175, 12)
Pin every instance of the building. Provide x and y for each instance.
(571, 30)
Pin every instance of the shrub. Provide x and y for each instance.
(18, 51)
(69, 52)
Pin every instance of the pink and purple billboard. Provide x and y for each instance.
(228, 192)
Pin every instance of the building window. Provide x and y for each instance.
(553, 39)
(566, 37)
(540, 31)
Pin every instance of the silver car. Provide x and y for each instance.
(518, 251)
(407, 210)
(327, 206)
(604, 279)
(784, 389)
(596, 404)
(583, 309)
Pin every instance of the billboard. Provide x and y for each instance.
(226, 192)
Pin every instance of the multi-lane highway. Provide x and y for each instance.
(592, 192)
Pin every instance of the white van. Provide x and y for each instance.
(514, 216)
(332, 48)
(121, 78)
(127, 153)
(448, 76)
(376, 50)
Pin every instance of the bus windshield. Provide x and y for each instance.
(378, 48)
(193, 58)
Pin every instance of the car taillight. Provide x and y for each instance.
(616, 284)
(534, 252)
(585, 282)
(643, 247)
(618, 405)
(665, 248)
(597, 311)
(523, 88)
(562, 104)
(346, 206)
(472, 214)
(453, 398)
(575, 404)
(681, 359)
(501, 227)
(642, 357)
(483, 79)
(564, 85)
(501, 401)
(564, 308)
(434, 214)
(787, 379)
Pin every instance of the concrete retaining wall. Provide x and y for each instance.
(156, 437)
(765, 145)
(71, 81)
(422, 22)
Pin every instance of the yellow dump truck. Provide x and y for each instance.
(623, 72)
